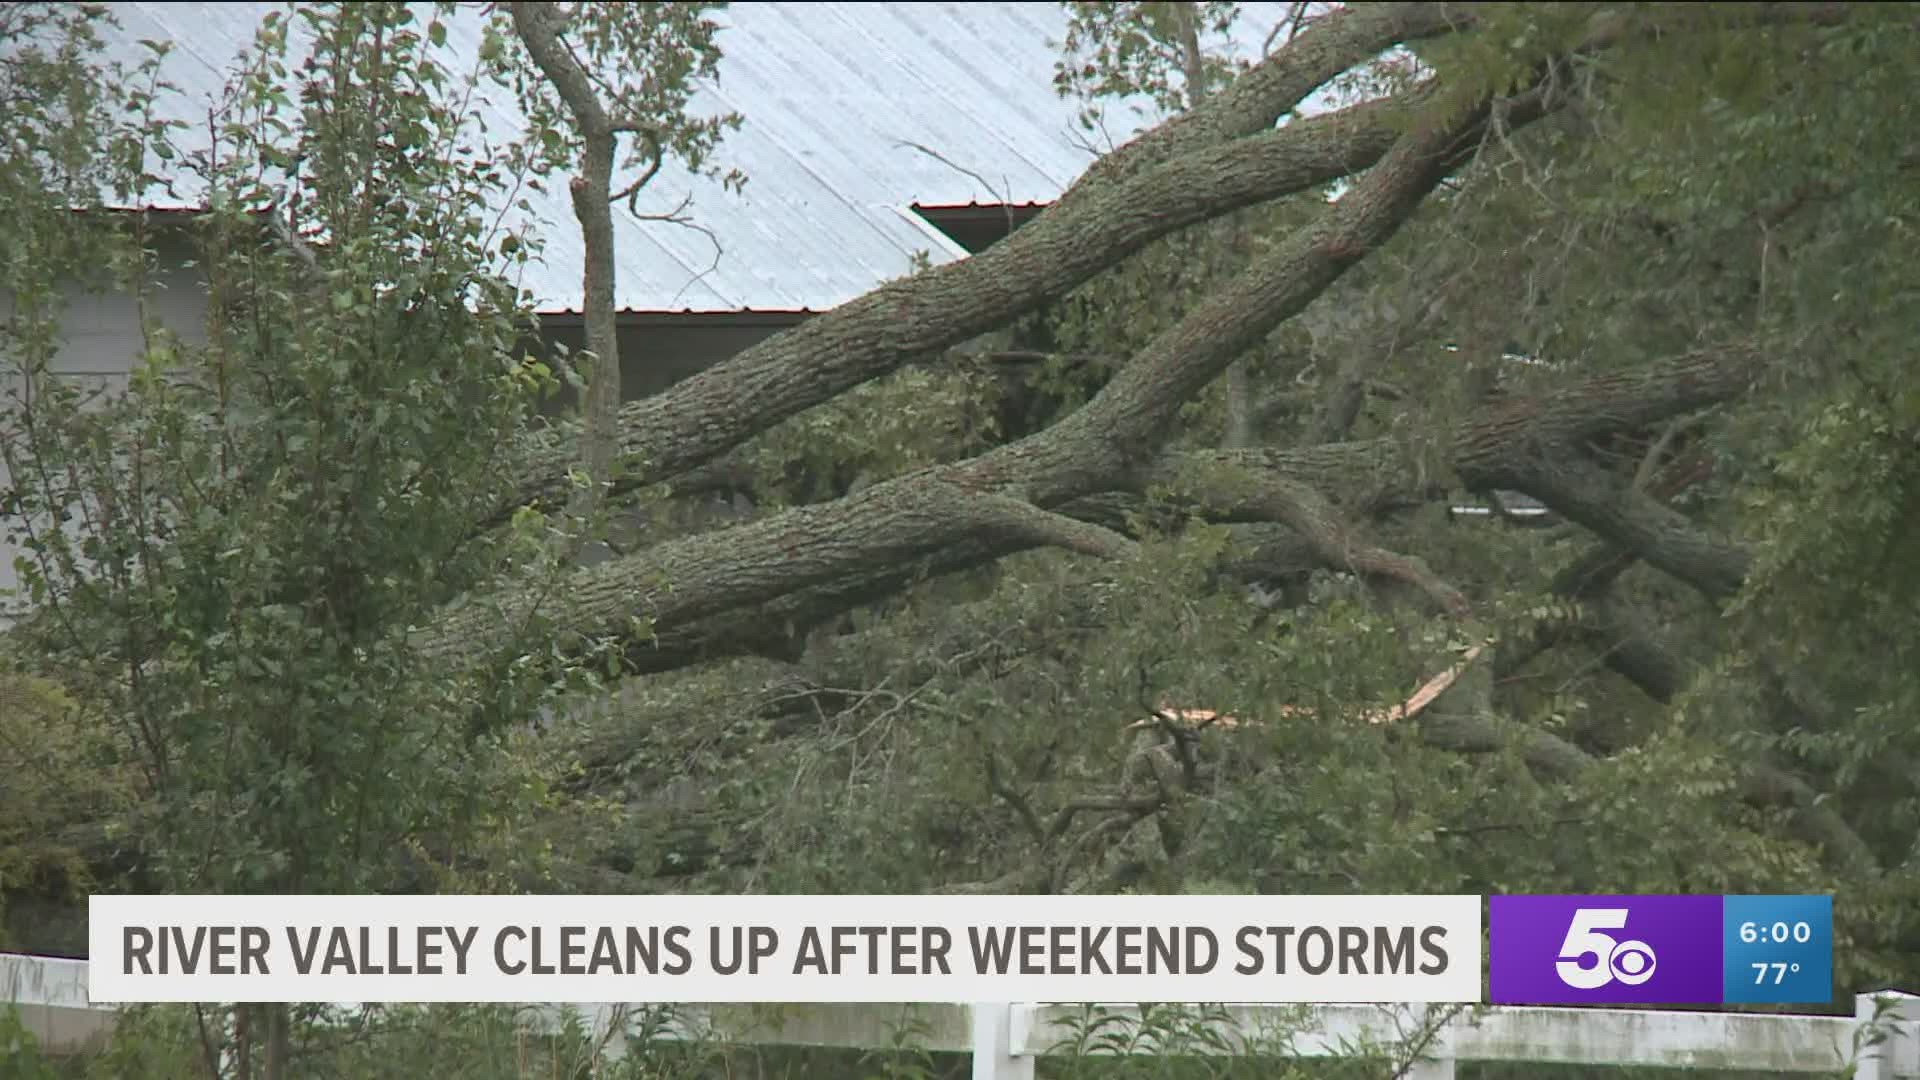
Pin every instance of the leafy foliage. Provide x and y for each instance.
(254, 513)
(62, 770)
(645, 61)
(1116, 50)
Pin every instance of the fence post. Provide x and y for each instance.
(1897, 1055)
(993, 1057)
(1436, 1059)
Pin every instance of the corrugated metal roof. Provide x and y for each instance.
(832, 96)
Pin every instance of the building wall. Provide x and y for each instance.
(657, 351)
(100, 335)
(110, 383)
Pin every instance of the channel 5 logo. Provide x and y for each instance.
(1590, 958)
(1550, 950)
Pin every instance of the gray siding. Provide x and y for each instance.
(101, 335)
(100, 330)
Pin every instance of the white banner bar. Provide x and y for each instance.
(948, 949)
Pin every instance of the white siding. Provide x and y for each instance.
(99, 337)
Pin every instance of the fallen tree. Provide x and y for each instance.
(1489, 149)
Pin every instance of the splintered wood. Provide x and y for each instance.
(1427, 694)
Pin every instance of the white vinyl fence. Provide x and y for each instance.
(1880, 1042)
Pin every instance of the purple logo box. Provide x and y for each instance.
(1585, 950)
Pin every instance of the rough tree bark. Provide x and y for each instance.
(918, 515)
(1240, 423)
(759, 587)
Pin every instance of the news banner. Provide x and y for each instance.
(1538, 950)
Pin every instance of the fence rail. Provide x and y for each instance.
(1880, 1042)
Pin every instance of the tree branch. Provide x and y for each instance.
(1023, 521)
(541, 28)
(916, 516)
(715, 410)
(1582, 492)
(1255, 101)
(776, 593)
(1225, 491)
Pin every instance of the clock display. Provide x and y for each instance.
(1777, 949)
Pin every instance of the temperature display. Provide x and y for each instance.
(1778, 949)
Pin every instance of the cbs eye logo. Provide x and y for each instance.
(1630, 962)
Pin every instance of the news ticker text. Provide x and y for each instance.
(799, 949)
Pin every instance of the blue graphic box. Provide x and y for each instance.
(1779, 949)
